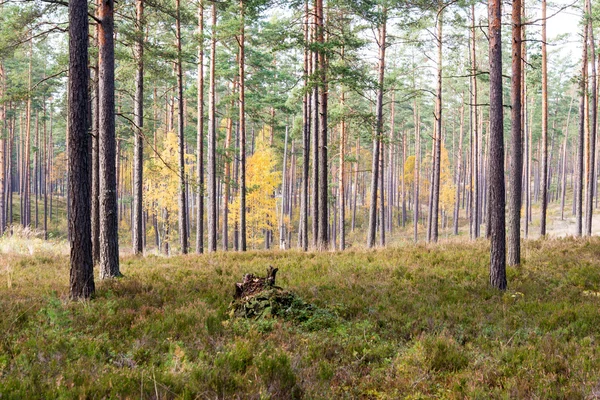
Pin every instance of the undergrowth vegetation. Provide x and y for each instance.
(408, 322)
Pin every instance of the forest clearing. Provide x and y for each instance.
(407, 322)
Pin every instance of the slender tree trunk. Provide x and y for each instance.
(282, 231)
(580, 163)
(3, 163)
(516, 147)
(241, 60)
(138, 157)
(438, 136)
(323, 193)
(212, 136)
(416, 172)
(378, 134)
(496, 162)
(475, 206)
(544, 165)
(306, 114)
(200, 134)
(183, 231)
(81, 273)
(341, 182)
(563, 192)
(589, 202)
(109, 225)
(458, 171)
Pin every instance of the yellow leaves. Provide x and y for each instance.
(161, 180)
(261, 182)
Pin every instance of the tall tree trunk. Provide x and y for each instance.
(475, 199)
(416, 172)
(516, 147)
(183, 229)
(458, 171)
(378, 133)
(242, 98)
(589, 201)
(306, 114)
(323, 194)
(95, 151)
(138, 157)
(282, 234)
(200, 134)
(580, 152)
(563, 191)
(3, 163)
(496, 161)
(544, 165)
(341, 183)
(438, 135)
(81, 273)
(315, 121)
(212, 137)
(109, 225)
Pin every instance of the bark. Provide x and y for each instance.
(496, 161)
(378, 134)
(81, 273)
(200, 134)
(516, 155)
(282, 234)
(475, 206)
(109, 226)
(138, 157)
(589, 201)
(212, 134)
(580, 152)
(544, 165)
(341, 182)
(438, 137)
(306, 112)
(315, 121)
(183, 230)
(416, 172)
(95, 156)
(563, 192)
(242, 99)
(323, 194)
(3, 177)
(458, 171)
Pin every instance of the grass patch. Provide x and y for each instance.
(405, 322)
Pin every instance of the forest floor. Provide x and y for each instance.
(404, 322)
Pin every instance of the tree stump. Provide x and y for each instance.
(252, 284)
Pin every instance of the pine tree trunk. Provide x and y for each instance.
(475, 199)
(496, 161)
(589, 202)
(580, 152)
(323, 192)
(3, 163)
(516, 155)
(81, 273)
(138, 157)
(183, 231)
(438, 135)
(109, 226)
(306, 121)
(458, 171)
(544, 165)
(212, 135)
(200, 134)
(378, 135)
(417, 122)
(282, 234)
(242, 98)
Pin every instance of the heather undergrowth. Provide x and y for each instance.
(406, 322)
